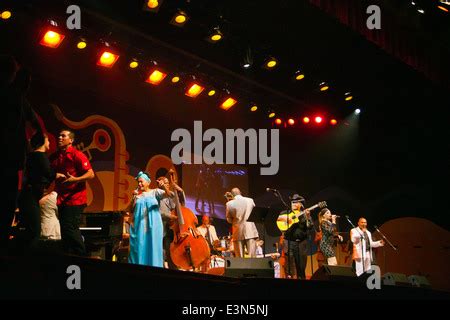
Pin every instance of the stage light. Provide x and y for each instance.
(306, 120)
(156, 77)
(291, 121)
(271, 114)
(211, 92)
(134, 64)
(152, 5)
(81, 44)
(247, 61)
(348, 96)
(175, 79)
(333, 122)
(52, 39)
(107, 59)
(228, 103)
(270, 63)
(299, 75)
(194, 90)
(443, 8)
(215, 36)
(253, 108)
(323, 86)
(421, 11)
(278, 121)
(179, 19)
(318, 119)
(357, 111)
(6, 15)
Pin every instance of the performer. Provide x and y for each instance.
(208, 231)
(295, 239)
(327, 225)
(244, 233)
(75, 170)
(166, 208)
(362, 247)
(146, 228)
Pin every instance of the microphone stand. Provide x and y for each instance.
(387, 240)
(362, 247)
(288, 211)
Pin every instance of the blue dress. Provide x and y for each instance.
(146, 235)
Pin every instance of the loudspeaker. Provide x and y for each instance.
(419, 281)
(249, 267)
(395, 279)
(335, 273)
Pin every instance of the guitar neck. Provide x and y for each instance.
(298, 215)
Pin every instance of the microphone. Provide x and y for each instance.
(270, 189)
(346, 217)
(337, 216)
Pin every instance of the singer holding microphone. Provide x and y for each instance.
(146, 228)
(327, 225)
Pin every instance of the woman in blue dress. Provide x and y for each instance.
(146, 228)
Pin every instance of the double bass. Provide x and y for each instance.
(188, 249)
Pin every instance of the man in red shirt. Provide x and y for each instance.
(72, 193)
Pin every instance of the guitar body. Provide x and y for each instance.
(285, 224)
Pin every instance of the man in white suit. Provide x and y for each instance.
(362, 247)
(244, 233)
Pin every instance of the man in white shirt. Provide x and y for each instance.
(208, 231)
(362, 247)
(244, 233)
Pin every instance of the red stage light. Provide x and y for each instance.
(278, 121)
(194, 90)
(228, 103)
(318, 119)
(52, 39)
(156, 77)
(291, 121)
(306, 120)
(107, 59)
(333, 122)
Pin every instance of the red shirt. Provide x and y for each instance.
(76, 163)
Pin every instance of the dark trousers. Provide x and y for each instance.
(167, 240)
(298, 256)
(69, 219)
(10, 181)
(30, 215)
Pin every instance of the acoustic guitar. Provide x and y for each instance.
(285, 221)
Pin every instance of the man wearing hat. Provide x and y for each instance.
(296, 244)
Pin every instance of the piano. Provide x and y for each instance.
(102, 231)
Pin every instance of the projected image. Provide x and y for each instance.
(205, 187)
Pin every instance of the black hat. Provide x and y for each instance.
(296, 198)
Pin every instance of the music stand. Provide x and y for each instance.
(268, 218)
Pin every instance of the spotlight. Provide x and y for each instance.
(247, 62)
(134, 64)
(278, 121)
(152, 5)
(271, 114)
(253, 108)
(348, 96)
(194, 90)
(299, 75)
(179, 19)
(6, 15)
(270, 63)
(81, 44)
(306, 120)
(442, 8)
(228, 103)
(175, 79)
(211, 92)
(107, 58)
(421, 11)
(357, 111)
(156, 77)
(333, 122)
(291, 121)
(318, 119)
(215, 36)
(323, 86)
(52, 37)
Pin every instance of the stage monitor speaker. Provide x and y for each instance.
(335, 273)
(419, 281)
(395, 279)
(249, 267)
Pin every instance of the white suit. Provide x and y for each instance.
(355, 236)
(238, 212)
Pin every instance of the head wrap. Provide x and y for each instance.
(143, 175)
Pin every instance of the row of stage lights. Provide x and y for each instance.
(52, 37)
(315, 120)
